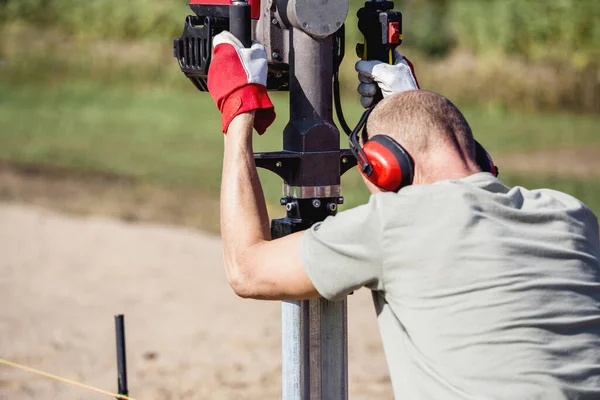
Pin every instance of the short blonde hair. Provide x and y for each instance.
(421, 120)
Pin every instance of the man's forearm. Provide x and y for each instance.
(244, 218)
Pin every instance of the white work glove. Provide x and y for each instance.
(391, 79)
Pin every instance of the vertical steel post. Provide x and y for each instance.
(314, 332)
(121, 355)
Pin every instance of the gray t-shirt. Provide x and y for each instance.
(481, 291)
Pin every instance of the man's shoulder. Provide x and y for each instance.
(553, 201)
(562, 198)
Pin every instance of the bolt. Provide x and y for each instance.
(274, 21)
(276, 56)
(332, 207)
(283, 201)
(278, 164)
(316, 203)
(344, 160)
(289, 206)
(340, 200)
(278, 74)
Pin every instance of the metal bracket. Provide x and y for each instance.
(284, 163)
(347, 161)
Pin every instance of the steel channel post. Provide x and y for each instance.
(314, 332)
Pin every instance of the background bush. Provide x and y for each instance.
(523, 54)
(533, 29)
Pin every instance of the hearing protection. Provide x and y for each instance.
(386, 164)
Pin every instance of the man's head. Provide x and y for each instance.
(432, 130)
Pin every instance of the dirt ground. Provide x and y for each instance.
(582, 163)
(62, 278)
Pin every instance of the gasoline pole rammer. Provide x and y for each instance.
(304, 40)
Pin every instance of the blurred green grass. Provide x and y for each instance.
(172, 138)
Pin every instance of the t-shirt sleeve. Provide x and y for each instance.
(343, 253)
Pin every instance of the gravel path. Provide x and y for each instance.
(62, 279)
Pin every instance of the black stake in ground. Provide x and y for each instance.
(121, 355)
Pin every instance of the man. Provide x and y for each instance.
(481, 291)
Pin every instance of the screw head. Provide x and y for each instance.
(278, 164)
(316, 203)
(276, 56)
(332, 207)
(340, 200)
(289, 206)
(344, 160)
(283, 201)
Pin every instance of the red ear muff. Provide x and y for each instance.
(484, 160)
(392, 166)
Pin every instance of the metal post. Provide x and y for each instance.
(121, 355)
(314, 344)
(314, 332)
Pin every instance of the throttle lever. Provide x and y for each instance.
(382, 31)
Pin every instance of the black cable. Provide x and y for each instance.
(356, 148)
(339, 49)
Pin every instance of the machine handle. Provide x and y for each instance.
(239, 22)
(382, 31)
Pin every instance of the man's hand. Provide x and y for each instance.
(396, 78)
(237, 80)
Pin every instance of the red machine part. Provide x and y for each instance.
(394, 32)
(254, 5)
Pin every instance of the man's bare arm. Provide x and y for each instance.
(256, 266)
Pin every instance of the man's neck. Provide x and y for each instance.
(440, 170)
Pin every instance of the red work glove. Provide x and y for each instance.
(237, 80)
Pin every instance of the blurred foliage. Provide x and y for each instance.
(529, 28)
(519, 54)
(558, 29)
(563, 30)
(49, 57)
(159, 19)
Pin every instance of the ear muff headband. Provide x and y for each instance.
(361, 158)
(392, 166)
(484, 160)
